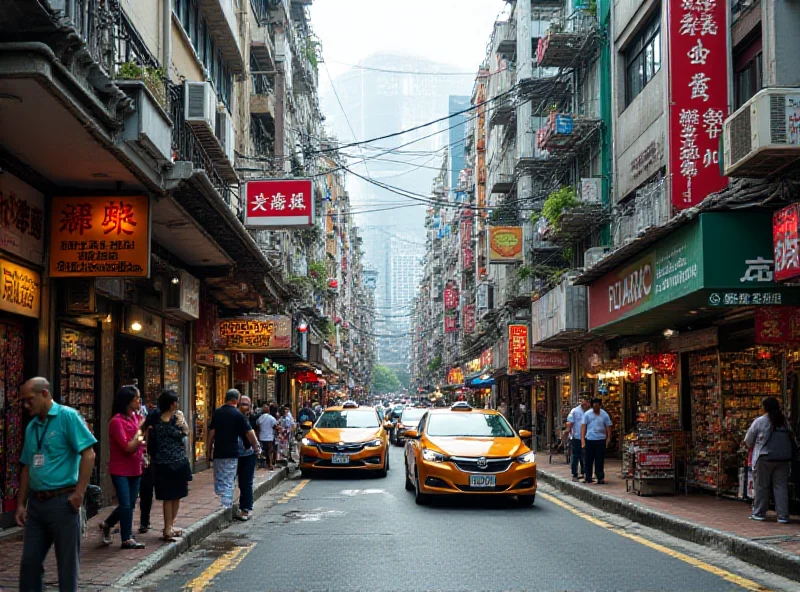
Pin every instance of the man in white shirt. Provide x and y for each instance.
(595, 437)
(574, 423)
(266, 434)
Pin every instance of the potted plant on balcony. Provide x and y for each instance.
(153, 78)
(557, 203)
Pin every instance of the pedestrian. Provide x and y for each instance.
(57, 461)
(284, 433)
(773, 444)
(172, 471)
(147, 486)
(595, 436)
(227, 426)
(306, 413)
(246, 468)
(266, 434)
(126, 447)
(573, 430)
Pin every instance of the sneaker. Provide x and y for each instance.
(143, 529)
(576, 478)
(758, 518)
(132, 544)
(783, 521)
(105, 529)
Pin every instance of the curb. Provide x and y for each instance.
(763, 556)
(195, 534)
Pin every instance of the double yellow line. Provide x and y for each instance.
(724, 574)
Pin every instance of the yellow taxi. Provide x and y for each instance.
(465, 450)
(346, 437)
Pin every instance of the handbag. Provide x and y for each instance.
(182, 469)
(779, 449)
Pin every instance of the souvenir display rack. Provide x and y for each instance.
(610, 392)
(706, 405)
(152, 375)
(202, 394)
(745, 379)
(649, 462)
(173, 358)
(79, 372)
(11, 433)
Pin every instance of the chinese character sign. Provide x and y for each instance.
(100, 236)
(450, 298)
(261, 334)
(698, 98)
(279, 203)
(518, 348)
(784, 237)
(450, 323)
(19, 289)
(778, 325)
(468, 322)
(21, 219)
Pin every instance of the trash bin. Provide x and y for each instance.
(92, 501)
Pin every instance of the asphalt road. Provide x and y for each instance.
(361, 533)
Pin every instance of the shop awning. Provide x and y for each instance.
(718, 263)
(478, 382)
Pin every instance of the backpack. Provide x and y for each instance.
(780, 448)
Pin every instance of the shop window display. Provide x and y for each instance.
(203, 393)
(706, 403)
(79, 372)
(152, 375)
(11, 376)
(609, 389)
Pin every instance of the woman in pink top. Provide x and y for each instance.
(125, 464)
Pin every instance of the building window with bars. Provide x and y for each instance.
(643, 58)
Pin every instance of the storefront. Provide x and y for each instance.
(138, 353)
(688, 393)
(22, 222)
(19, 317)
(549, 370)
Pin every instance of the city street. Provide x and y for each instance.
(362, 533)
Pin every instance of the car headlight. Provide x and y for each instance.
(375, 442)
(433, 456)
(528, 457)
(308, 442)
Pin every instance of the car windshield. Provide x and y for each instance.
(476, 425)
(349, 418)
(412, 416)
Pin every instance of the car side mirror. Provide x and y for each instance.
(525, 434)
(307, 425)
(411, 435)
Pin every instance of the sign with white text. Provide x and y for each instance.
(20, 289)
(698, 105)
(279, 203)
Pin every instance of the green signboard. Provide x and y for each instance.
(722, 259)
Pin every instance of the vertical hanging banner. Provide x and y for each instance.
(785, 232)
(450, 323)
(698, 97)
(518, 348)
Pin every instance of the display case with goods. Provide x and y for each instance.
(173, 358)
(746, 378)
(79, 372)
(152, 375)
(706, 408)
(609, 389)
(203, 392)
(565, 392)
(11, 430)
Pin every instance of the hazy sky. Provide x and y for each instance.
(450, 31)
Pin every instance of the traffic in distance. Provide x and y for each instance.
(448, 450)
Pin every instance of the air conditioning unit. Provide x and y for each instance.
(225, 134)
(200, 105)
(763, 136)
(593, 255)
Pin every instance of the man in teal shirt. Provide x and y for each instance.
(57, 460)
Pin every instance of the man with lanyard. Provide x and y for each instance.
(57, 459)
(574, 423)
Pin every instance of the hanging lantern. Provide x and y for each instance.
(632, 368)
(333, 283)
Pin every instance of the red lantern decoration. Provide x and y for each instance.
(333, 283)
(632, 368)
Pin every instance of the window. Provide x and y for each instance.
(748, 68)
(643, 58)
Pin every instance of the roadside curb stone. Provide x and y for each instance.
(195, 534)
(758, 554)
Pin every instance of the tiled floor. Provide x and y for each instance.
(101, 566)
(700, 508)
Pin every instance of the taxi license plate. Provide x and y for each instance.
(341, 459)
(482, 481)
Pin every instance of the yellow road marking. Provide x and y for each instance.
(726, 575)
(293, 493)
(227, 562)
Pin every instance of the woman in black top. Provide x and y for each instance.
(172, 469)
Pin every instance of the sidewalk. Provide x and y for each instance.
(697, 517)
(103, 567)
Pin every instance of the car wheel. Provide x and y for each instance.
(385, 470)
(409, 482)
(420, 498)
(526, 500)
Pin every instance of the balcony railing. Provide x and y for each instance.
(188, 148)
(568, 39)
